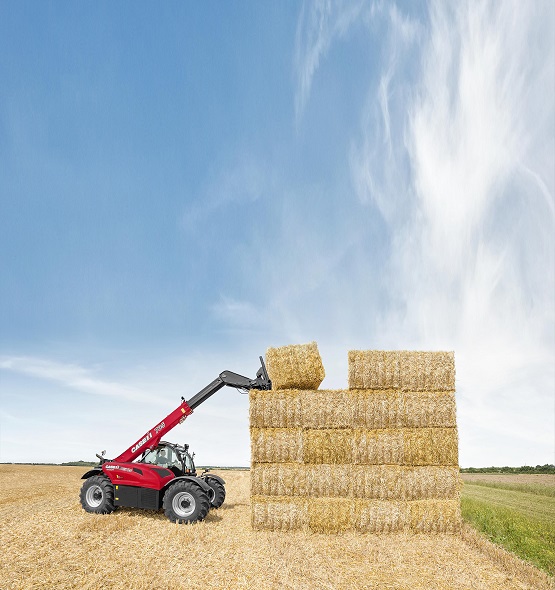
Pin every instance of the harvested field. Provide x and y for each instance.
(543, 479)
(48, 542)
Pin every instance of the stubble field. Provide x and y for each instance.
(48, 541)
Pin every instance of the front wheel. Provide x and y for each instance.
(184, 502)
(97, 495)
(217, 492)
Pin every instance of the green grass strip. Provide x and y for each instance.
(528, 488)
(530, 505)
(531, 538)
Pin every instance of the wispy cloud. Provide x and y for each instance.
(467, 190)
(319, 24)
(242, 180)
(73, 377)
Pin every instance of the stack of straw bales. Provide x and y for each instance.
(380, 456)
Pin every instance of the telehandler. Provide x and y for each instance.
(154, 474)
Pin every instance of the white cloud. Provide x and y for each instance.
(319, 24)
(240, 181)
(72, 376)
(472, 220)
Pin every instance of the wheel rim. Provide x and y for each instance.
(184, 504)
(94, 496)
(212, 494)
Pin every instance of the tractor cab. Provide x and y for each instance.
(171, 456)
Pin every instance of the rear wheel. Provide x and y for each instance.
(217, 492)
(184, 502)
(97, 495)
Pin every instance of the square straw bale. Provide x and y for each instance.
(275, 409)
(328, 446)
(423, 409)
(298, 366)
(279, 514)
(378, 447)
(276, 445)
(377, 408)
(373, 369)
(430, 482)
(279, 479)
(427, 371)
(431, 446)
(435, 516)
(380, 482)
(329, 480)
(381, 516)
(330, 515)
(326, 409)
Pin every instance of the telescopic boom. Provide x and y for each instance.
(151, 439)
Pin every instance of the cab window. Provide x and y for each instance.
(164, 457)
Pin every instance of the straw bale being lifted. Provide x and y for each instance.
(298, 366)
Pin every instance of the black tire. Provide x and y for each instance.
(217, 492)
(97, 495)
(185, 502)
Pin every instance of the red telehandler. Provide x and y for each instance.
(164, 476)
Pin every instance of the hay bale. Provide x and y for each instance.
(430, 482)
(435, 516)
(380, 482)
(381, 516)
(276, 445)
(377, 408)
(297, 366)
(279, 514)
(378, 447)
(333, 446)
(330, 515)
(430, 446)
(426, 371)
(329, 480)
(373, 369)
(275, 408)
(326, 409)
(425, 409)
(279, 479)
(381, 456)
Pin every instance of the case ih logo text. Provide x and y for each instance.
(141, 442)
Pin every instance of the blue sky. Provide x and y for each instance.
(183, 186)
